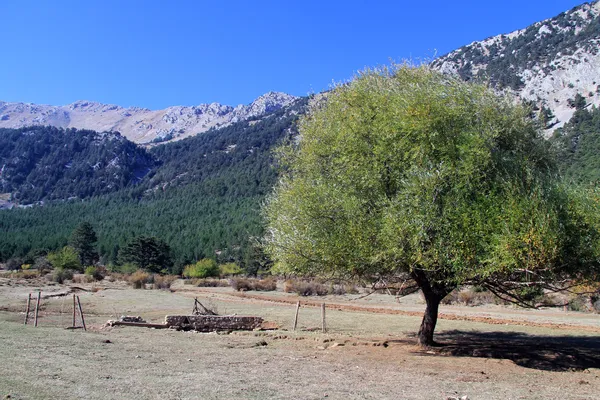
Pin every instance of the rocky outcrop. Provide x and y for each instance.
(548, 63)
(140, 125)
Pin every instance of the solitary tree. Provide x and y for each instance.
(408, 173)
(83, 240)
(149, 253)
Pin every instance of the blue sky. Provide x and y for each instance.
(160, 53)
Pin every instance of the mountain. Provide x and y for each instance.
(140, 125)
(47, 163)
(547, 64)
(202, 195)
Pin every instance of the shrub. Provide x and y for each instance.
(61, 274)
(65, 258)
(139, 279)
(306, 288)
(82, 278)
(241, 284)
(97, 273)
(14, 264)
(265, 285)
(127, 268)
(204, 268)
(245, 284)
(208, 282)
(164, 281)
(24, 275)
(229, 269)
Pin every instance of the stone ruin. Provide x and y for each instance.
(213, 323)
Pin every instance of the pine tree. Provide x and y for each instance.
(83, 240)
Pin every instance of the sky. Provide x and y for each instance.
(156, 54)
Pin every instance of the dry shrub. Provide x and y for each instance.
(164, 281)
(26, 274)
(308, 288)
(117, 277)
(246, 284)
(241, 284)
(60, 275)
(210, 282)
(265, 285)
(474, 296)
(139, 279)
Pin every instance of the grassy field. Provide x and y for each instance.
(364, 355)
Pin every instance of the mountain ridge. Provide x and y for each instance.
(140, 125)
(546, 64)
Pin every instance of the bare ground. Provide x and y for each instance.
(366, 353)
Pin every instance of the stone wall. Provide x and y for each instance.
(212, 323)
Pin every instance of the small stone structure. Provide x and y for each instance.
(213, 323)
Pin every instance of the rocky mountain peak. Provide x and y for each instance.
(140, 125)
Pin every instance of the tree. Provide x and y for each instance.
(149, 253)
(83, 240)
(65, 258)
(407, 173)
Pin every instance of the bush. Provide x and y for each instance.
(14, 264)
(229, 269)
(24, 275)
(127, 268)
(164, 281)
(65, 258)
(139, 279)
(205, 268)
(60, 275)
(305, 288)
(208, 282)
(246, 284)
(97, 273)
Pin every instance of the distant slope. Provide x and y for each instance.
(46, 163)
(547, 63)
(204, 198)
(140, 125)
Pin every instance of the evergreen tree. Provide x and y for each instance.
(83, 240)
(149, 253)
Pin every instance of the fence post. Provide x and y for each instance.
(81, 313)
(323, 326)
(37, 308)
(28, 308)
(296, 316)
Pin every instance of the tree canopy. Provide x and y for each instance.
(406, 172)
(149, 253)
(83, 240)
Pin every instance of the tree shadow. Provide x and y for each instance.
(550, 353)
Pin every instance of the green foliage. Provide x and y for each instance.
(65, 258)
(205, 268)
(203, 197)
(409, 171)
(230, 269)
(578, 146)
(60, 275)
(147, 253)
(95, 272)
(83, 240)
(46, 163)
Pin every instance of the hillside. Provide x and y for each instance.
(203, 197)
(547, 63)
(140, 125)
(47, 163)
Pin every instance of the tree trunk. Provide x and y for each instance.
(425, 335)
(434, 292)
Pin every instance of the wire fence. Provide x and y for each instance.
(55, 310)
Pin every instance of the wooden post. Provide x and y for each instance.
(296, 316)
(81, 313)
(37, 308)
(323, 326)
(28, 308)
(74, 308)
